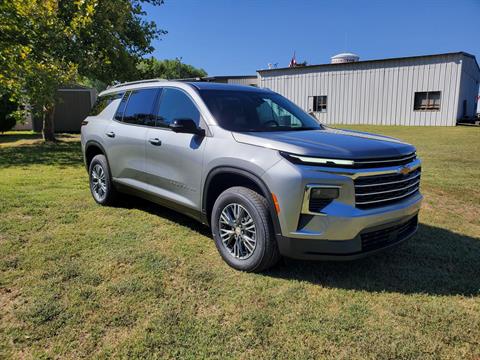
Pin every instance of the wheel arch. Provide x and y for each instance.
(241, 177)
(93, 148)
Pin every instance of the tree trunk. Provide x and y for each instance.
(48, 125)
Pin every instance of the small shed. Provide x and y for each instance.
(73, 105)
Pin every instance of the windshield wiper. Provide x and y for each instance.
(306, 128)
(279, 128)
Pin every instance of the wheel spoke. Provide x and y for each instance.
(226, 219)
(247, 245)
(99, 182)
(237, 231)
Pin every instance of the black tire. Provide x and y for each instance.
(265, 253)
(110, 196)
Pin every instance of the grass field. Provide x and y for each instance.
(137, 280)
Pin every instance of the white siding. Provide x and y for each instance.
(248, 80)
(468, 88)
(382, 92)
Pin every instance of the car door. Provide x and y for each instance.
(174, 161)
(125, 137)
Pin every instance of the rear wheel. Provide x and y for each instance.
(101, 185)
(243, 231)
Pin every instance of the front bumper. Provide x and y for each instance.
(341, 230)
(369, 241)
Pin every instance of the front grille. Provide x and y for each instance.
(380, 190)
(384, 162)
(372, 240)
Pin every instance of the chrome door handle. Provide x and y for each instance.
(155, 141)
(110, 134)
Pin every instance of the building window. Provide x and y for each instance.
(427, 101)
(320, 103)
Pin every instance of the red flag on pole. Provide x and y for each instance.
(293, 62)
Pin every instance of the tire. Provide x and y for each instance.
(234, 247)
(98, 170)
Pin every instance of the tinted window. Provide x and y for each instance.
(102, 102)
(139, 110)
(121, 107)
(175, 104)
(256, 111)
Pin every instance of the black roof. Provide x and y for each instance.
(200, 85)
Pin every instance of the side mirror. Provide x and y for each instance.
(186, 126)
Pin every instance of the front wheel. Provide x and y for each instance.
(243, 231)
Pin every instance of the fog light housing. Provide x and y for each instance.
(324, 193)
(317, 197)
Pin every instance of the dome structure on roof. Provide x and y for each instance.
(344, 58)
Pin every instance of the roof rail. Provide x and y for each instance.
(136, 82)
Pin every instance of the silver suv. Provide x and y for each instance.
(264, 175)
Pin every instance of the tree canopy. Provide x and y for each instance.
(168, 69)
(49, 43)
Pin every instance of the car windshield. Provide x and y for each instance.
(246, 111)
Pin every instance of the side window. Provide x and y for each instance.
(121, 107)
(175, 104)
(102, 102)
(139, 110)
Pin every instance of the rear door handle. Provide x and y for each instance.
(155, 141)
(110, 134)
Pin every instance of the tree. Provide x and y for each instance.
(7, 108)
(49, 43)
(167, 69)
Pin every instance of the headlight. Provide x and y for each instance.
(311, 160)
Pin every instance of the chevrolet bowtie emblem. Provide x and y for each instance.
(405, 170)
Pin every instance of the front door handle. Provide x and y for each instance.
(155, 141)
(110, 134)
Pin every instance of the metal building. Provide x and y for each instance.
(249, 80)
(436, 90)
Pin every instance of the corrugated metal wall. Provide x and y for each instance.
(379, 92)
(73, 106)
(249, 81)
(468, 88)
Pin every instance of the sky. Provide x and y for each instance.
(227, 37)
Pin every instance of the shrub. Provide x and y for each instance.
(7, 107)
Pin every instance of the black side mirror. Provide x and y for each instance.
(187, 126)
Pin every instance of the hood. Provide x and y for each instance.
(328, 142)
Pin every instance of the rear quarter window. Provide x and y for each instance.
(102, 102)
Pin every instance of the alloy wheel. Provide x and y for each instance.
(99, 182)
(238, 231)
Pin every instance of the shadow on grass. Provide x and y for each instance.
(61, 154)
(133, 202)
(434, 261)
(13, 137)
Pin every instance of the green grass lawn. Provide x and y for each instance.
(137, 280)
